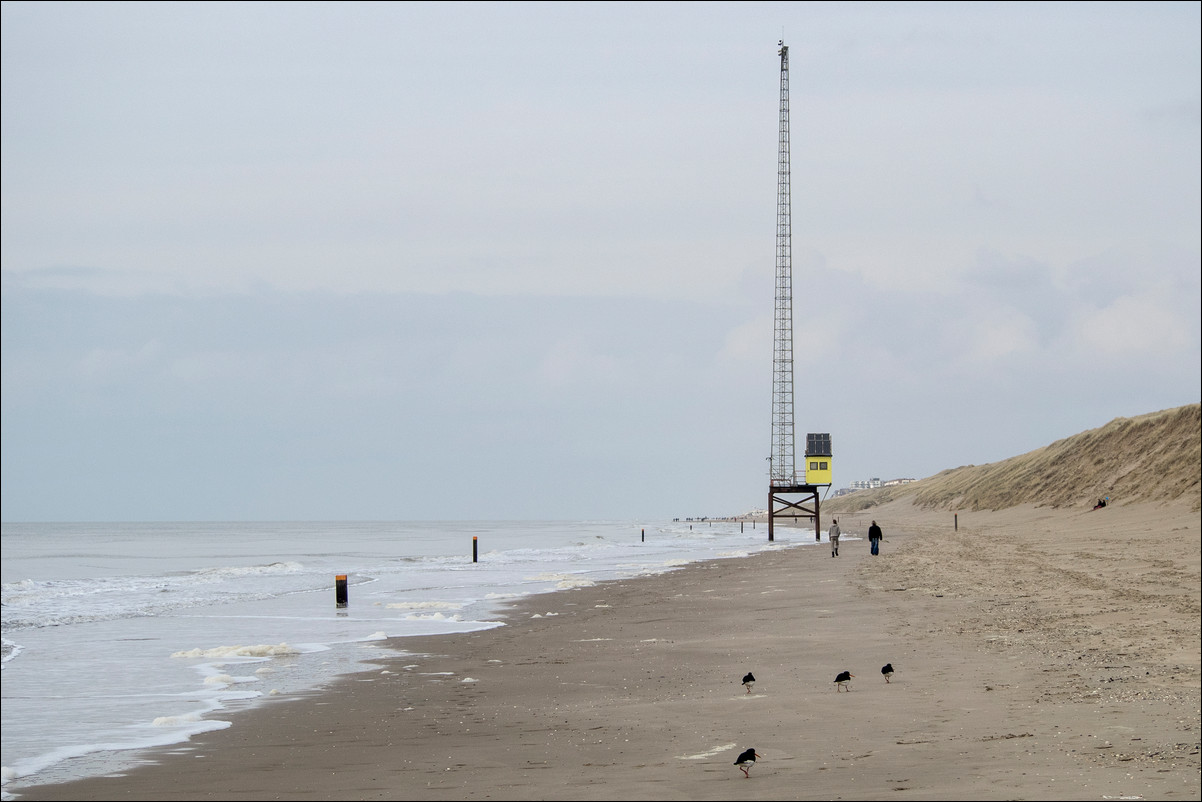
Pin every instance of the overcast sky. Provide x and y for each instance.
(439, 261)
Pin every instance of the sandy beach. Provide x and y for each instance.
(1039, 653)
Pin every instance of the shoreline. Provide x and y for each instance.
(1039, 654)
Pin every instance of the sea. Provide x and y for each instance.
(118, 637)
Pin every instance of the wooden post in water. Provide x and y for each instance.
(340, 590)
(474, 546)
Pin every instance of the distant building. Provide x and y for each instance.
(871, 484)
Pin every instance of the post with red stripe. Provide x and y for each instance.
(474, 547)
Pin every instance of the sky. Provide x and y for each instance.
(439, 261)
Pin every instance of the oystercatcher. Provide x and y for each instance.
(844, 676)
(748, 681)
(746, 761)
(887, 670)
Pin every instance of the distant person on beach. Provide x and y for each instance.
(834, 535)
(874, 538)
(1101, 503)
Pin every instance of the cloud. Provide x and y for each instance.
(1134, 328)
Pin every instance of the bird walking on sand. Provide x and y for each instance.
(844, 676)
(748, 681)
(887, 670)
(746, 761)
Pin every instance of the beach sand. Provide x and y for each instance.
(1039, 654)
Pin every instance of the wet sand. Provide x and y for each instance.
(1039, 654)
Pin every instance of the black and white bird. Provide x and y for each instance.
(748, 681)
(746, 760)
(844, 676)
(887, 670)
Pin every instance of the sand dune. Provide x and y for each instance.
(1150, 458)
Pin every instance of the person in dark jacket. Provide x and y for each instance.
(874, 538)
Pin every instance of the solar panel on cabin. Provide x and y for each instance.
(818, 443)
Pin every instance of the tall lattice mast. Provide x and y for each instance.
(782, 469)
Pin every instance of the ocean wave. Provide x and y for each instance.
(9, 650)
(31, 603)
(285, 567)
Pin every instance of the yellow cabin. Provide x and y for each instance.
(818, 459)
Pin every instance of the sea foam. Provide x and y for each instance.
(265, 650)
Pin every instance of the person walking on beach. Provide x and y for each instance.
(874, 538)
(834, 535)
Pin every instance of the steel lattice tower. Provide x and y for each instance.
(782, 468)
(783, 479)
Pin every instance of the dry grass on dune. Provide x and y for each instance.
(1150, 458)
